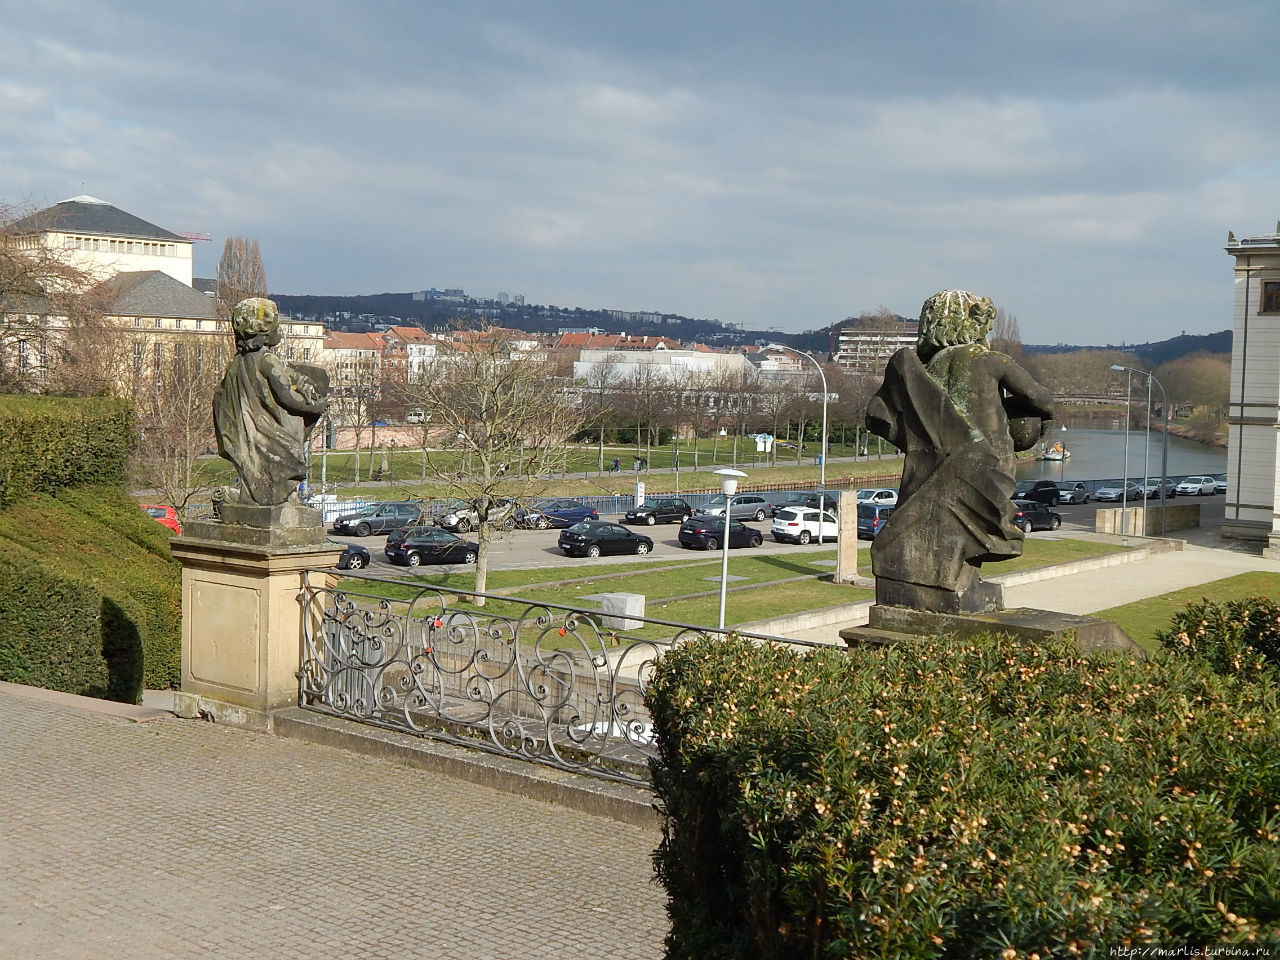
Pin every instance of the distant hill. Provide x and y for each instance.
(1158, 352)
(436, 310)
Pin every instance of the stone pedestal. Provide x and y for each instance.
(847, 545)
(888, 625)
(242, 624)
(620, 609)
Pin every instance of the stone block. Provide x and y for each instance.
(619, 609)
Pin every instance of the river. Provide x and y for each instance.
(1099, 455)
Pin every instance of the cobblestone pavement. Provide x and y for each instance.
(182, 839)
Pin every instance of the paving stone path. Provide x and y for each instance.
(181, 839)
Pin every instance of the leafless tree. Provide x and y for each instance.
(240, 274)
(601, 389)
(500, 407)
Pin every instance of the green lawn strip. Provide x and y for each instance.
(1036, 552)
(1143, 619)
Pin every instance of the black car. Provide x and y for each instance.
(378, 518)
(1035, 516)
(660, 510)
(354, 556)
(591, 538)
(1042, 491)
(432, 545)
(707, 533)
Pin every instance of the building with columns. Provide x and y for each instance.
(1253, 412)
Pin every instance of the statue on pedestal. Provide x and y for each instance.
(958, 410)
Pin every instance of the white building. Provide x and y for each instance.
(1253, 412)
(866, 348)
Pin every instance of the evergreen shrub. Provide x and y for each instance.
(1234, 636)
(962, 798)
(49, 443)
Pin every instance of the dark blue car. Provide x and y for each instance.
(558, 512)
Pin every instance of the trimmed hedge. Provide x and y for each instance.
(955, 798)
(51, 443)
(90, 599)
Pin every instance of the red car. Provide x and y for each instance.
(166, 515)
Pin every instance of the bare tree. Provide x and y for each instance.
(602, 382)
(172, 390)
(240, 274)
(1006, 335)
(52, 330)
(500, 407)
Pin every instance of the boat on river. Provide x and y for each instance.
(1056, 452)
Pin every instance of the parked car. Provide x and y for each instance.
(804, 524)
(883, 496)
(591, 538)
(1219, 483)
(793, 498)
(166, 516)
(746, 506)
(1042, 491)
(559, 512)
(1197, 486)
(378, 518)
(1073, 491)
(431, 545)
(1151, 488)
(1115, 490)
(354, 556)
(461, 516)
(829, 502)
(660, 510)
(707, 533)
(872, 518)
(1033, 515)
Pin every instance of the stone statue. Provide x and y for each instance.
(958, 410)
(265, 409)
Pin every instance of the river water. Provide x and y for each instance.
(1099, 455)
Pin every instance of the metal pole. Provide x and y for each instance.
(1146, 463)
(1164, 451)
(724, 559)
(1124, 486)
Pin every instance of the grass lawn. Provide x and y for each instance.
(1145, 618)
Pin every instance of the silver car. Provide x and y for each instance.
(746, 506)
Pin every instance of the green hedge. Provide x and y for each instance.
(90, 598)
(962, 799)
(1234, 636)
(51, 443)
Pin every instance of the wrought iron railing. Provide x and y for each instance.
(543, 682)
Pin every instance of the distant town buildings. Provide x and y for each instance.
(865, 345)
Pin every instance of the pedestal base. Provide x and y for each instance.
(241, 619)
(283, 525)
(888, 624)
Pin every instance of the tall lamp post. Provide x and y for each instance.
(1164, 446)
(729, 485)
(822, 459)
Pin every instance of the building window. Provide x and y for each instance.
(157, 351)
(1270, 297)
(137, 321)
(157, 323)
(137, 357)
(177, 323)
(199, 324)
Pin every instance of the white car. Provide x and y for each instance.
(880, 496)
(1197, 487)
(803, 525)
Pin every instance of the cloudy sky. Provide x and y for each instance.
(772, 164)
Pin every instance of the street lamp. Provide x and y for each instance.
(822, 458)
(729, 486)
(1164, 446)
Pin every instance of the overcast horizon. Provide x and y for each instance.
(769, 166)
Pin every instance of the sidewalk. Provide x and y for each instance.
(155, 838)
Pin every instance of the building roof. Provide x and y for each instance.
(151, 293)
(85, 214)
(339, 340)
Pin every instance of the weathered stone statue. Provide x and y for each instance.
(265, 409)
(958, 410)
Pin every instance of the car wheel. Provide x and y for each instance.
(757, 540)
(1025, 526)
(355, 562)
(1055, 523)
(759, 515)
(804, 537)
(414, 560)
(651, 519)
(509, 523)
(641, 548)
(464, 525)
(713, 543)
(543, 523)
(469, 557)
(593, 551)
(362, 530)
(1086, 499)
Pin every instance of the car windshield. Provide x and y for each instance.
(788, 514)
(582, 526)
(649, 505)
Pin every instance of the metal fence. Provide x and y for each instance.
(542, 682)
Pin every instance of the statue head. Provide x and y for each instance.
(256, 323)
(952, 317)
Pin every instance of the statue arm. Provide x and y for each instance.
(295, 390)
(1032, 400)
